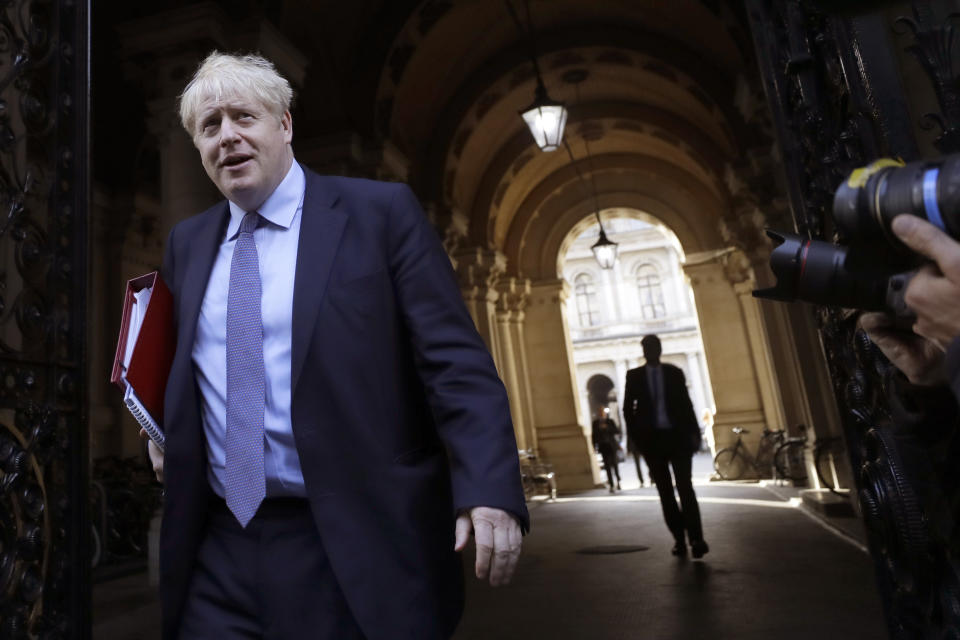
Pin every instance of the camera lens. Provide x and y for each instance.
(871, 197)
(815, 271)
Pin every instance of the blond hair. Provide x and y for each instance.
(224, 74)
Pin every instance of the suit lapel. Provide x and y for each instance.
(202, 250)
(321, 227)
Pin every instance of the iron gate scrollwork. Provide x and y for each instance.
(833, 82)
(43, 237)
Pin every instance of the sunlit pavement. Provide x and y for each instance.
(773, 571)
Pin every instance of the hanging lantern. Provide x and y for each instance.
(604, 250)
(546, 119)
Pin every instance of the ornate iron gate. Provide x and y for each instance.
(834, 81)
(43, 277)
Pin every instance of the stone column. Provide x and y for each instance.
(794, 353)
(478, 271)
(740, 274)
(511, 304)
(561, 440)
(729, 352)
(696, 383)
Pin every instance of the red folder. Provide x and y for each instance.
(153, 352)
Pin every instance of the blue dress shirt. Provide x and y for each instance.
(277, 239)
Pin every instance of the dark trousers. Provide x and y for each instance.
(689, 518)
(636, 461)
(270, 581)
(611, 464)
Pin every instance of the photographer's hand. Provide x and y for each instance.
(918, 358)
(934, 293)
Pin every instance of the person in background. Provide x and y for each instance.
(606, 440)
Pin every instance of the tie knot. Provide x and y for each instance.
(249, 222)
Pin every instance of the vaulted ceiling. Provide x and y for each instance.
(656, 92)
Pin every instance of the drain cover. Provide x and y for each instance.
(611, 548)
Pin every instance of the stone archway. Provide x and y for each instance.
(744, 384)
(651, 128)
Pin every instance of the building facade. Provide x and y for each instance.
(646, 292)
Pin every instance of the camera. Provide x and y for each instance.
(872, 269)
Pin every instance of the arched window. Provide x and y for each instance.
(650, 292)
(586, 293)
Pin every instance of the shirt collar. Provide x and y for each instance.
(280, 207)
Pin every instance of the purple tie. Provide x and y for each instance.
(245, 487)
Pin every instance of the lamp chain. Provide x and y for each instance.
(593, 184)
(527, 34)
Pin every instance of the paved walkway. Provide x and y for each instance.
(773, 571)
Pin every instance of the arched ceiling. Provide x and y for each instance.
(651, 88)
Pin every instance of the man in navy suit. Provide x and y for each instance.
(335, 427)
(661, 422)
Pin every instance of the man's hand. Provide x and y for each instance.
(918, 358)
(156, 455)
(934, 293)
(497, 537)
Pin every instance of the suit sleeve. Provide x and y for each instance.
(467, 399)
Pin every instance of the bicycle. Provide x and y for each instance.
(731, 463)
(824, 455)
(789, 459)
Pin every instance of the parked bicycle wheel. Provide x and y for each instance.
(789, 462)
(825, 455)
(730, 463)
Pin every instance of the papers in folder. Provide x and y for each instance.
(145, 351)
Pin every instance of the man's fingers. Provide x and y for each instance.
(143, 434)
(462, 531)
(928, 240)
(511, 552)
(516, 541)
(156, 457)
(497, 537)
(483, 539)
(499, 569)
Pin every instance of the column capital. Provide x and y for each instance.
(514, 296)
(739, 271)
(554, 288)
(478, 271)
(736, 268)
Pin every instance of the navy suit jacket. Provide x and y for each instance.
(399, 417)
(638, 412)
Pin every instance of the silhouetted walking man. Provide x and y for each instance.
(662, 425)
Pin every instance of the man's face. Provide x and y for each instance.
(244, 148)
